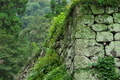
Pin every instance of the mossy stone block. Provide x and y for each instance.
(113, 49)
(110, 10)
(104, 36)
(99, 27)
(83, 31)
(115, 27)
(86, 19)
(116, 17)
(81, 62)
(88, 48)
(117, 36)
(86, 75)
(107, 19)
(97, 10)
(83, 10)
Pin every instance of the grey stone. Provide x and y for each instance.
(117, 36)
(110, 10)
(95, 59)
(104, 19)
(86, 75)
(81, 62)
(104, 36)
(88, 48)
(115, 27)
(99, 27)
(86, 19)
(117, 62)
(97, 10)
(113, 49)
(83, 31)
(116, 17)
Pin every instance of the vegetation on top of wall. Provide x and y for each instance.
(106, 66)
(112, 3)
(51, 67)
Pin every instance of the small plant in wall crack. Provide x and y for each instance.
(106, 66)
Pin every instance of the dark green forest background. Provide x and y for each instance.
(23, 31)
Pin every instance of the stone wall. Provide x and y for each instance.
(97, 35)
(90, 32)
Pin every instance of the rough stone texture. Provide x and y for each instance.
(110, 10)
(99, 27)
(115, 27)
(83, 31)
(116, 17)
(97, 10)
(86, 75)
(117, 62)
(104, 19)
(86, 19)
(113, 49)
(104, 36)
(86, 10)
(81, 62)
(91, 32)
(88, 48)
(117, 36)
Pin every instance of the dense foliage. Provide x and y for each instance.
(106, 66)
(58, 6)
(112, 3)
(11, 49)
(35, 23)
(51, 66)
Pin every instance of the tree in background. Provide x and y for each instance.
(12, 52)
(35, 23)
(58, 6)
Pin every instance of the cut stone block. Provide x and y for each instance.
(81, 62)
(116, 17)
(86, 75)
(110, 10)
(114, 27)
(113, 49)
(83, 31)
(86, 19)
(89, 48)
(97, 10)
(104, 19)
(99, 27)
(86, 10)
(104, 36)
(117, 62)
(117, 36)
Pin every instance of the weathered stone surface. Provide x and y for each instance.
(117, 62)
(88, 48)
(81, 62)
(83, 31)
(117, 36)
(110, 10)
(104, 36)
(97, 10)
(116, 17)
(113, 49)
(86, 75)
(115, 27)
(86, 10)
(99, 27)
(104, 19)
(86, 19)
(95, 59)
